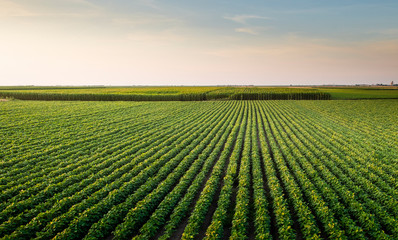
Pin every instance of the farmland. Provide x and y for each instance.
(164, 93)
(199, 170)
(361, 92)
(183, 93)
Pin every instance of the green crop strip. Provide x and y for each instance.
(251, 169)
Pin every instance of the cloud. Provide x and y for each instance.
(244, 18)
(252, 30)
(145, 19)
(149, 3)
(248, 27)
(162, 38)
(246, 30)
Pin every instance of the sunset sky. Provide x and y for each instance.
(183, 42)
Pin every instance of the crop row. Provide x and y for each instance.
(205, 170)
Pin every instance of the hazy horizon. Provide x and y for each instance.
(158, 43)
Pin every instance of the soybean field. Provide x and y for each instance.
(199, 170)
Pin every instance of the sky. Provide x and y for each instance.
(185, 42)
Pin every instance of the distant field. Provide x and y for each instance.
(199, 170)
(161, 93)
(115, 90)
(196, 93)
(362, 93)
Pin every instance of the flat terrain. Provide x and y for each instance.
(165, 93)
(183, 93)
(193, 170)
(361, 92)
